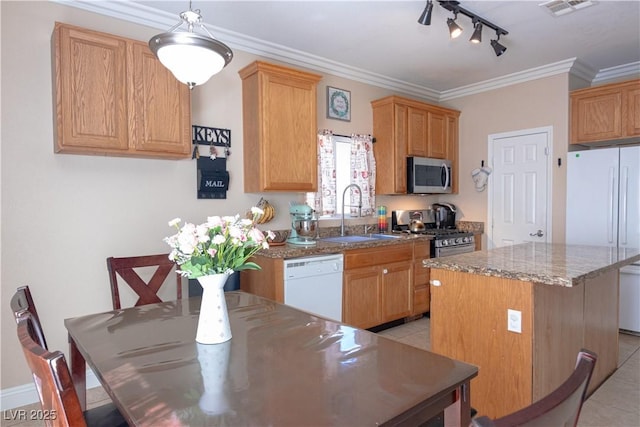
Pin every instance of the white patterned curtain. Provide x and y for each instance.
(363, 173)
(324, 201)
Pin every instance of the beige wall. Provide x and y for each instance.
(63, 215)
(539, 103)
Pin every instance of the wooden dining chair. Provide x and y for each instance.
(559, 408)
(51, 374)
(147, 292)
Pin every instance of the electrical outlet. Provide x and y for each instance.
(514, 321)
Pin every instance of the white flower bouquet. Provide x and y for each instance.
(220, 245)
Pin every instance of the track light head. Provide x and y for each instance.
(497, 47)
(454, 29)
(477, 33)
(425, 18)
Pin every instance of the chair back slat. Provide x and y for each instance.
(22, 302)
(561, 407)
(147, 292)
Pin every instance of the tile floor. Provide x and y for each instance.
(614, 404)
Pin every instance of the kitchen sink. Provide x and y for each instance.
(358, 238)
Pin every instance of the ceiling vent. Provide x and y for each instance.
(562, 7)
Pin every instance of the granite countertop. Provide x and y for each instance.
(552, 264)
(289, 250)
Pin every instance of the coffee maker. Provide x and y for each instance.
(304, 225)
(445, 215)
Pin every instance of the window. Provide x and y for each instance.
(343, 169)
(342, 161)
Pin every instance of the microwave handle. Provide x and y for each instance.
(446, 176)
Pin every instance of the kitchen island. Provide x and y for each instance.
(521, 314)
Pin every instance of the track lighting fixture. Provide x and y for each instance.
(425, 18)
(497, 47)
(477, 33)
(455, 30)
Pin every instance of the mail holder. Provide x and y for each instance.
(213, 178)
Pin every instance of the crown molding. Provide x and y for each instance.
(616, 73)
(144, 15)
(560, 67)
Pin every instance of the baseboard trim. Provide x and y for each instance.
(26, 394)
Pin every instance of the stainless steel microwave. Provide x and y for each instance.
(428, 176)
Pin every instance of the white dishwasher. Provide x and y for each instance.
(314, 284)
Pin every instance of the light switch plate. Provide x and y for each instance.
(514, 321)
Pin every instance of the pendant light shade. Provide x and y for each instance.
(192, 58)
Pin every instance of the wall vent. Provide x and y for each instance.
(562, 7)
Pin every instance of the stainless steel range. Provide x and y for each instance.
(445, 242)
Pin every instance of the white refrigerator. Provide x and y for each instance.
(603, 209)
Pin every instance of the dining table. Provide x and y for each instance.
(282, 367)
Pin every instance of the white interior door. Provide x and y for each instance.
(519, 203)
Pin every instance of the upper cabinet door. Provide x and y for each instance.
(162, 106)
(597, 116)
(417, 132)
(437, 147)
(633, 111)
(90, 90)
(279, 110)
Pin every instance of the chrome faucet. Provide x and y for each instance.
(359, 206)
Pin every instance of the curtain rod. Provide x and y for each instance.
(349, 136)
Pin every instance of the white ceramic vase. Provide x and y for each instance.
(213, 322)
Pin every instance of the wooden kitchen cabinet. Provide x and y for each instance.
(421, 292)
(405, 127)
(605, 113)
(268, 282)
(279, 128)
(378, 285)
(113, 97)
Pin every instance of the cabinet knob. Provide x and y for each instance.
(435, 282)
(385, 271)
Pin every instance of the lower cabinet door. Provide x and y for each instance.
(361, 303)
(397, 291)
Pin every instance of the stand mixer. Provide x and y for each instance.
(303, 225)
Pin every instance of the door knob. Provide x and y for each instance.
(539, 233)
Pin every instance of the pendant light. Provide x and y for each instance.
(192, 58)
